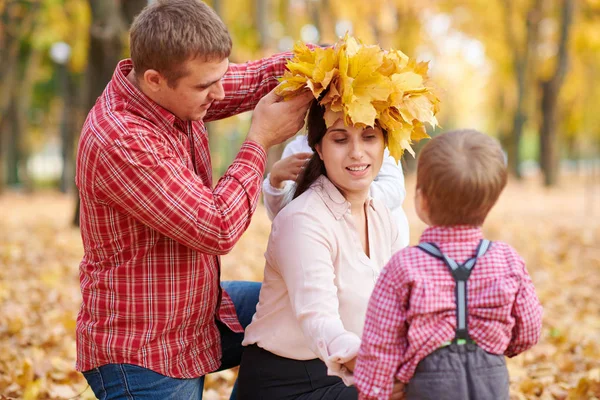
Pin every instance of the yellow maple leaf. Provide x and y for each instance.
(419, 132)
(368, 86)
(325, 65)
(290, 85)
(333, 99)
(331, 117)
(393, 62)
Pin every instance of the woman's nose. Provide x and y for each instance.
(356, 150)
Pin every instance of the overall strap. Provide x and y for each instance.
(460, 273)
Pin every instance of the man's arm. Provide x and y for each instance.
(140, 177)
(245, 84)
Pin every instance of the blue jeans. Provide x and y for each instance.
(127, 381)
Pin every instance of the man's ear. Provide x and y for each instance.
(153, 80)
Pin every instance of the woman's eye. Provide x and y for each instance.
(339, 140)
(370, 137)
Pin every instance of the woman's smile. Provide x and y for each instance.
(358, 170)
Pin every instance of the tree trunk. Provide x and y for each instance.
(262, 25)
(521, 65)
(110, 21)
(216, 5)
(549, 160)
(13, 150)
(548, 133)
(131, 8)
(67, 132)
(12, 32)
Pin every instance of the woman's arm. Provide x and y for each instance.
(301, 248)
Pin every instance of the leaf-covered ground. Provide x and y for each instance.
(557, 231)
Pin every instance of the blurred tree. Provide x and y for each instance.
(550, 89)
(509, 31)
(108, 42)
(523, 53)
(17, 22)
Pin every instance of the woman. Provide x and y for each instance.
(280, 184)
(324, 255)
(329, 244)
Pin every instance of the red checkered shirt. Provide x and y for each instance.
(412, 310)
(153, 227)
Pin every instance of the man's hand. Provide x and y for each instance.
(288, 169)
(275, 120)
(398, 391)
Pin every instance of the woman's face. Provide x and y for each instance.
(352, 157)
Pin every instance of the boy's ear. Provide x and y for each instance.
(422, 200)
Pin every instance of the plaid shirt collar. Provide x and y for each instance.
(445, 234)
(140, 103)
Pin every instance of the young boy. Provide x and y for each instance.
(444, 314)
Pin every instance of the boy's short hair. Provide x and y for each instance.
(169, 32)
(461, 175)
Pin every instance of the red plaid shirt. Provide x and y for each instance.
(412, 310)
(153, 227)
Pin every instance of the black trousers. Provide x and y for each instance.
(266, 376)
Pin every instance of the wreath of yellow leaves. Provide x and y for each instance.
(368, 86)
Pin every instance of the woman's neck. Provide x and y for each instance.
(357, 202)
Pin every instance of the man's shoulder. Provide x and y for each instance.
(110, 120)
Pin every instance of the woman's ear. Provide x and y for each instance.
(318, 149)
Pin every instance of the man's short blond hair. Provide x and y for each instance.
(461, 175)
(167, 33)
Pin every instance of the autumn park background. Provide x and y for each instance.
(524, 71)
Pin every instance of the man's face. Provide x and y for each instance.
(195, 92)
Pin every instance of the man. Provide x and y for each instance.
(154, 318)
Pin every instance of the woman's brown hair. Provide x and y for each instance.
(316, 128)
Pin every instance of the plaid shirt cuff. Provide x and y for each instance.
(253, 155)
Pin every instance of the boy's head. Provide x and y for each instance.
(167, 33)
(460, 175)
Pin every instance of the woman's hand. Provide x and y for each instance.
(287, 169)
